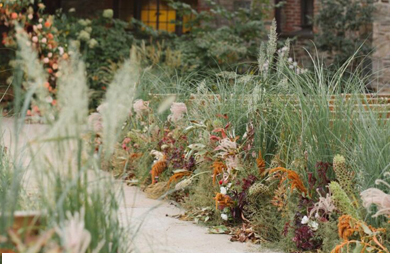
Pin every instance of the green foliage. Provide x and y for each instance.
(71, 182)
(218, 39)
(104, 44)
(344, 28)
(328, 232)
(343, 174)
(342, 201)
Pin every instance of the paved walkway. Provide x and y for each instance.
(160, 233)
(156, 231)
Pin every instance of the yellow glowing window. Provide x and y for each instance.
(158, 15)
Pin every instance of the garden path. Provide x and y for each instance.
(149, 221)
(162, 233)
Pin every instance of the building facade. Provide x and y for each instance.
(293, 18)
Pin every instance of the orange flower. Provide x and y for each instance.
(14, 15)
(293, 177)
(345, 228)
(177, 176)
(218, 168)
(50, 36)
(222, 200)
(370, 239)
(260, 163)
(158, 168)
(47, 24)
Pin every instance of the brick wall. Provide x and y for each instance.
(291, 16)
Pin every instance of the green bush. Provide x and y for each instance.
(344, 28)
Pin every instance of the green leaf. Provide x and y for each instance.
(366, 229)
(358, 248)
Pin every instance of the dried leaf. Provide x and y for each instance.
(221, 229)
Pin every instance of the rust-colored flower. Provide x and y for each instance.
(158, 168)
(222, 201)
(218, 168)
(260, 163)
(292, 176)
(345, 227)
(178, 175)
(366, 236)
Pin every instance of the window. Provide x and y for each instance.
(307, 11)
(160, 16)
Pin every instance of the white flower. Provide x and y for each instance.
(377, 197)
(232, 162)
(224, 217)
(44, 40)
(72, 10)
(290, 60)
(30, 16)
(108, 13)
(140, 106)
(177, 110)
(223, 190)
(49, 99)
(304, 220)
(157, 155)
(226, 145)
(61, 50)
(96, 122)
(266, 65)
(39, 26)
(93, 43)
(35, 39)
(102, 107)
(75, 238)
(313, 225)
(83, 22)
(84, 35)
(50, 55)
(294, 64)
(164, 147)
(46, 60)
